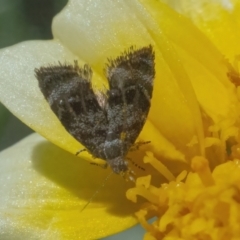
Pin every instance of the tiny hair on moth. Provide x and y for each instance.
(107, 123)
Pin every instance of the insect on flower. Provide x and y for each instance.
(106, 123)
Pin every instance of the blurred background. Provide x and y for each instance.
(22, 20)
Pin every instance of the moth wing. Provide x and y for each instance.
(130, 78)
(69, 92)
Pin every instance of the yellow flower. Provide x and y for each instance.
(193, 120)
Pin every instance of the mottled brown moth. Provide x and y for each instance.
(107, 122)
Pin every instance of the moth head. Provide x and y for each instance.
(118, 165)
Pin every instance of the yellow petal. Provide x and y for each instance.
(44, 189)
(219, 20)
(205, 74)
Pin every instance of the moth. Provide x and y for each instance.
(106, 122)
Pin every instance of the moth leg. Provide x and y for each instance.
(81, 150)
(137, 145)
(104, 166)
(135, 164)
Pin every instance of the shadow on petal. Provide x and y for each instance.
(83, 179)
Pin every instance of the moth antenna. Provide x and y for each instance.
(97, 191)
